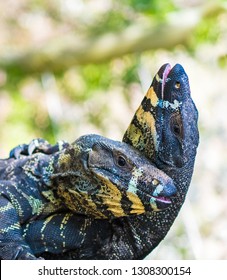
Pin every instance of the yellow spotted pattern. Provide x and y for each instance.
(152, 96)
(111, 197)
(146, 121)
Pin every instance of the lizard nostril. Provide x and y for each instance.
(169, 190)
(165, 190)
(155, 182)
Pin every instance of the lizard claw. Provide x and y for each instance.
(38, 145)
(42, 146)
(18, 151)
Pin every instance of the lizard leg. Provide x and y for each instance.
(38, 145)
(18, 150)
(12, 244)
(56, 234)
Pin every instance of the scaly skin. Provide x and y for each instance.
(95, 176)
(170, 142)
(174, 150)
(165, 129)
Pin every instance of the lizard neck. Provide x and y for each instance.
(69, 176)
(58, 166)
(157, 224)
(66, 163)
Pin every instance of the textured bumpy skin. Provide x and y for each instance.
(93, 178)
(175, 139)
(164, 128)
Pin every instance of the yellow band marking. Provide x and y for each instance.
(111, 197)
(152, 96)
(6, 207)
(147, 120)
(137, 205)
(81, 203)
(11, 227)
(46, 221)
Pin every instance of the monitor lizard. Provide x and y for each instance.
(94, 177)
(165, 129)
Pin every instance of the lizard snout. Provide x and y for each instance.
(162, 194)
(168, 190)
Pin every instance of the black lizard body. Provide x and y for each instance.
(164, 128)
(95, 177)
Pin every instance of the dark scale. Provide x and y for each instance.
(146, 105)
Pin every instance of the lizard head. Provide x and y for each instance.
(128, 182)
(177, 136)
(164, 127)
(109, 179)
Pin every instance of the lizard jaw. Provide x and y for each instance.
(162, 199)
(161, 196)
(160, 203)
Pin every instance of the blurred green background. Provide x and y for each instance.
(69, 68)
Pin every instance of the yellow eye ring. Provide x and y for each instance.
(177, 85)
(155, 182)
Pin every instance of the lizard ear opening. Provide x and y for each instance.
(176, 126)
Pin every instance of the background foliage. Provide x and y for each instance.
(73, 67)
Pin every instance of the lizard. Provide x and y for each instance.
(93, 177)
(165, 129)
(173, 149)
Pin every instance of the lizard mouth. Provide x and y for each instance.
(163, 199)
(160, 202)
(161, 196)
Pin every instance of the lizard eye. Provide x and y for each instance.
(155, 182)
(121, 161)
(177, 85)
